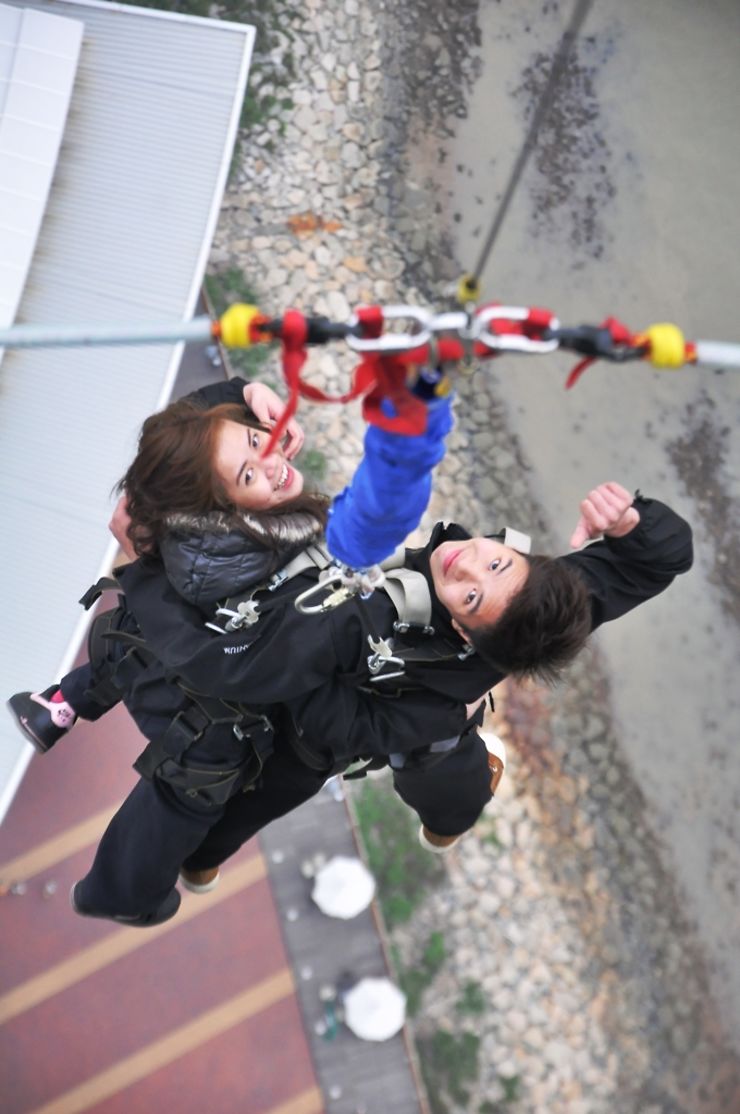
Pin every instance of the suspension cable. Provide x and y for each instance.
(558, 67)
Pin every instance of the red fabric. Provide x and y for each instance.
(619, 333)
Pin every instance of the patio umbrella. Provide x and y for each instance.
(374, 1009)
(343, 887)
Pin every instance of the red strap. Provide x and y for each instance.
(538, 320)
(578, 371)
(389, 374)
(293, 334)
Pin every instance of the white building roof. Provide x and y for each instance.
(125, 237)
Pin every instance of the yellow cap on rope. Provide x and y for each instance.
(236, 323)
(468, 289)
(667, 345)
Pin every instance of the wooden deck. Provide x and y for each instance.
(216, 1009)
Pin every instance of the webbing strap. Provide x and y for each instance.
(95, 591)
(313, 556)
(410, 595)
(181, 733)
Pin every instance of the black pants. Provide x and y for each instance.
(160, 824)
(157, 830)
(448, 794)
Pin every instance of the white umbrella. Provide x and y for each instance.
(343, 887)
(374, 1009)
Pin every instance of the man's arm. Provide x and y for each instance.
(635, 560)
(352, 723)
(264, 403)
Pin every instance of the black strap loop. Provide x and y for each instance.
(95, 591)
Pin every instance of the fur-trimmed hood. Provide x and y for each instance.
(208, 559)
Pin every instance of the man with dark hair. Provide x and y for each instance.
(458, 616)
(529, 616)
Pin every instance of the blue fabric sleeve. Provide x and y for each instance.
(389, 492)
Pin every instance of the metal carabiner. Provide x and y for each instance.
(246, 615)
(394, 342)
(339, 593)
(450, 321)
(511, 342)
(382, 655)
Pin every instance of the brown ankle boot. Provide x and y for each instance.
(200, 881)
(496, 758)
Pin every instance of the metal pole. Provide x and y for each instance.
(72, 336)
(718, 352)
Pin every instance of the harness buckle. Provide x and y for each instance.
(382, 655)
(246, 615)
(276, 580)
(404, 626)
(263, 722)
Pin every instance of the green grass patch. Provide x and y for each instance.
(449, 1065)
(403, 870)
(472, 1000)
(415, 980)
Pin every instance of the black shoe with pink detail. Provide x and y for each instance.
(42, 720)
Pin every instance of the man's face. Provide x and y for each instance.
(476, 578)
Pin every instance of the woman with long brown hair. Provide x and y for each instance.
(204, 501)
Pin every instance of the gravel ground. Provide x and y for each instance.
(607, 968)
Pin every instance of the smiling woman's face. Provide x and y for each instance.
(251, 481)
(475, 579)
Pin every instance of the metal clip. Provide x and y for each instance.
(276, 580)
(511, 342)
(334, 584)
(404, 626)
(394, 342)
(382, 655)
(246, 615)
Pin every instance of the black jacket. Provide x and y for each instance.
(315, 663)
(203, 562)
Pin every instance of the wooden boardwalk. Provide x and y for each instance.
(209, 1011)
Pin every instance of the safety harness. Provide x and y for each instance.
(166, 756)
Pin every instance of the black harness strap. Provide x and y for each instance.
(166, 757)
(95, 591)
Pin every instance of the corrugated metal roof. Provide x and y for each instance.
(38, 62)
(125, 238)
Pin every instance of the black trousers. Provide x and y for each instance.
(160, 824)
(158, 829)
(448, 793)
